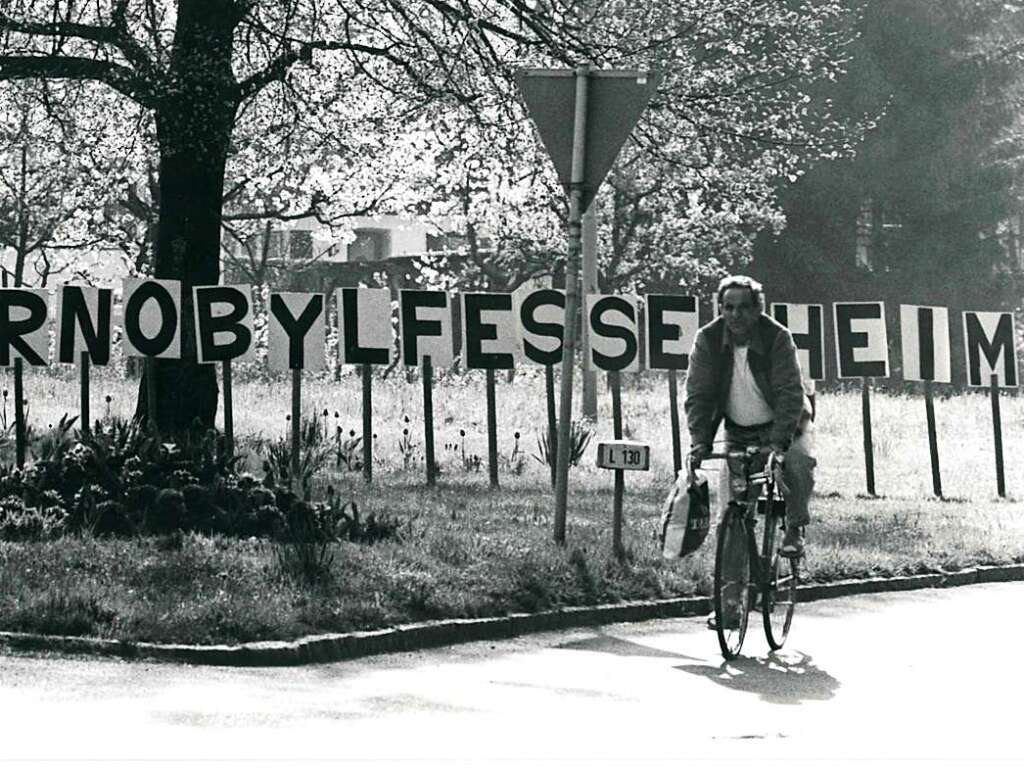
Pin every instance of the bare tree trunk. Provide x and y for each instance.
(194, 124)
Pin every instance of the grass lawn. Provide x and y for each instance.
(467, 551)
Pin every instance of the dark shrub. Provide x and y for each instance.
(167, 512)
(112, 520)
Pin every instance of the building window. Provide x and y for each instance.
(456, 242)
(300, 245)
(449, 241)
(275, 243)
(370, 245)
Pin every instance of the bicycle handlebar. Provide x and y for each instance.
(744, 454)
(772, 463)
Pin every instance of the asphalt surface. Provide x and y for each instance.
(930, 675)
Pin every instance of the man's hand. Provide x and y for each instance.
(697, 454)
(779, 455)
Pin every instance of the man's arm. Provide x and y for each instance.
(787, 384)
(701, 393)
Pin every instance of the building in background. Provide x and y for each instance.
(303, 256)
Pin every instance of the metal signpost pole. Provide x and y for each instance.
(583, 143)
(571, 302)
(589, 404)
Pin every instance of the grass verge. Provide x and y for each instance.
(465, 551)
(468, 551)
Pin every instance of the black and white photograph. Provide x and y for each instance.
(442, 383)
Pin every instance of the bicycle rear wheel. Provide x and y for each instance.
(778, 598)
(731, 599)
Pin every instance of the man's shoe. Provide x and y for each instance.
(731, 619)
(792, 543)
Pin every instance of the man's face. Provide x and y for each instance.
(740, 310)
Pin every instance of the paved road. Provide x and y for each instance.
(932, 674)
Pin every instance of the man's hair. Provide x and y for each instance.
(742, 281)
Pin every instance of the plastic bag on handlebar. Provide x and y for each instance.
(686, 516)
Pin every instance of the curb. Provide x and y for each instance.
(321, 649)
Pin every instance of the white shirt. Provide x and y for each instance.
(746, 404)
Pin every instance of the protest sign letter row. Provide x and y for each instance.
(498, 330)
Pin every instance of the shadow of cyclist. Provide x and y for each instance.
(604, 643)
(789, 678)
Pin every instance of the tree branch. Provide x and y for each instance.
(89, 32)
(275, 71)
(127, 44)
(466, 18)
(116, 35)
(120, 78)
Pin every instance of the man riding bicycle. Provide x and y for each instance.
(744, 370)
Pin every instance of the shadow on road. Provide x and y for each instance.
(789, 678)
(607, 644)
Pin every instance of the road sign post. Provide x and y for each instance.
(583, 117)
(572, 266)
(589, 286)
(621, 456)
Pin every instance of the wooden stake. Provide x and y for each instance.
(19, 412)
(933, 440)
(620, 479)
(869, 449)
(673, 408)
(296, 429)
(229, 409)
(997, 429)
(150, 374)
(84, 419)
(368, 423)
(549, 383)
(428, 419)
(492, 430)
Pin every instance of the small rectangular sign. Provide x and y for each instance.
(623, 454)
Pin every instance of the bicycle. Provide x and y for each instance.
(744, 577)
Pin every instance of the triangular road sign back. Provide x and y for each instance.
(615, 101)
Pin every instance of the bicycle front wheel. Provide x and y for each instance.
(778, 594)
(731, 599)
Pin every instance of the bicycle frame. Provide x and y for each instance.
(767, 494)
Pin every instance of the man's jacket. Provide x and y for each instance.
(774, 365)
